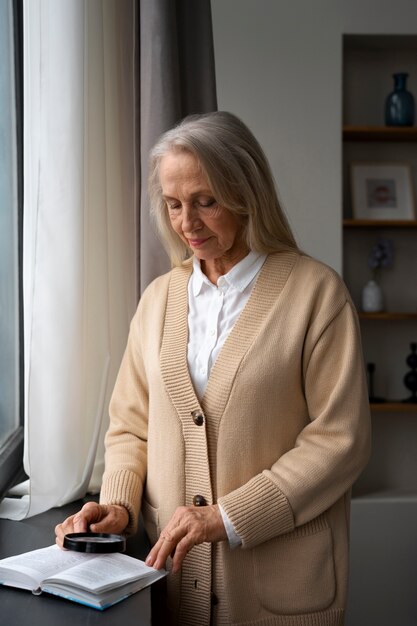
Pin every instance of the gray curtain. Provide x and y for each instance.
(176, 77)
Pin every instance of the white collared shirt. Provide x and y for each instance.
(212, 312)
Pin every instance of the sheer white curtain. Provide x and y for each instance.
(80, 200)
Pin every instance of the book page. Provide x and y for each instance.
(106, 572)
(39, 564)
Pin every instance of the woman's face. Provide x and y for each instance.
(212, 232)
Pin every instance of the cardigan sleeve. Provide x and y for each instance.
(330, 451)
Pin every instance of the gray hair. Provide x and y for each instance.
(238, 174)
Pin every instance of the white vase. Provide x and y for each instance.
(372, 299)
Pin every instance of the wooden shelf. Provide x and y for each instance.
(380, 133)
(386, 316)
(384, 496)
(350, 223)
(394, 407)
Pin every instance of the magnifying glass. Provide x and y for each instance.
(97, 543)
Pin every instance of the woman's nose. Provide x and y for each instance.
(190, 218)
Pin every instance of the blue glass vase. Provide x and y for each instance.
(399, 106)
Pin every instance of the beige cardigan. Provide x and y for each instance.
(286, 432)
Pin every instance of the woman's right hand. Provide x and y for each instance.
(94, 517)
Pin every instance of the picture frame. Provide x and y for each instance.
(382, 191)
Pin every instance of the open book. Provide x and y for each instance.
(96, 580)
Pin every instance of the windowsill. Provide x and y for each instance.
(11, 461)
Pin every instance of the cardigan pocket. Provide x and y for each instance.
(151, 521)
(294, 573)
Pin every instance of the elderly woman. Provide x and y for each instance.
(239, 419)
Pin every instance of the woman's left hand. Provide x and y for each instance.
(189, 526)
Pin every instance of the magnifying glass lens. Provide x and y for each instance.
(94, 542)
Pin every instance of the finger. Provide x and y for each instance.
(90, 513)
(59, 543)
(164, 547)
(100, 518)
(63, 529)
(109, 524)
(182, 549)
(114, 519)
(60, 533)
(186, 522)
(77, 522)
(188, 527)
(155, 552)
(80, 523)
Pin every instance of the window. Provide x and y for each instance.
(11, 184)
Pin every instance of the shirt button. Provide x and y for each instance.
(199, 501)
(198, 417)
(212, 332)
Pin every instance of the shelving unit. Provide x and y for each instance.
(384, 505)
(396, 407)
(379, 133)
(350, 223)
(387, 316)
(360, 235)
(369, 62)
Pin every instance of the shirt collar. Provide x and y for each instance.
(238, 277)
(198, 278)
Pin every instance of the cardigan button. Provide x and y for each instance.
(198, 417)
(199, 501)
